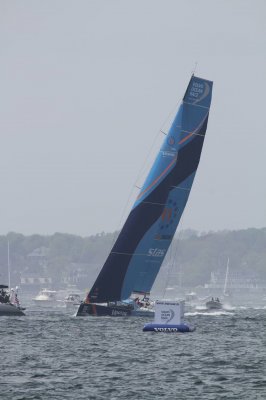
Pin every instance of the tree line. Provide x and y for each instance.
(193, 255)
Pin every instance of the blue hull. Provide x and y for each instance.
(182, 328)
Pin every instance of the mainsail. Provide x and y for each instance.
(141, 246)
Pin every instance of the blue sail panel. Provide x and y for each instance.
(165, 160)
(199, 92)
(141, 246)
(147, 259)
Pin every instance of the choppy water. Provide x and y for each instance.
(53, 355)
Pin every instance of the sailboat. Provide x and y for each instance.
(142, 244)
(9, 302)
(215, 303)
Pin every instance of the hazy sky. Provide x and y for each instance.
(87, 85)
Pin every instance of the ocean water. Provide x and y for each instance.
(50, 354)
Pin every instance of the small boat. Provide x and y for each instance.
(46, 298)
(72, 300)
(214, 304)
(139, 251)
(9, 303)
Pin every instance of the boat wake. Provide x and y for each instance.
(228, 307)
(209, 313)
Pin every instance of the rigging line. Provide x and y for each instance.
(123, 213)
(176, 126)
(194, 69)
(168, 269)
(177, 245)
(130, 196)
(144, 165)
(135, 184)
(146, 159)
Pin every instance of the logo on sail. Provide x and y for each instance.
(156, 252)
(171, 141)
(167, 315)
(199, 91)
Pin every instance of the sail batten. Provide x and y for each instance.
(181, 188)
(154, 204)
(142, 244)
(193, 133)
(129, 254)
(196, 105)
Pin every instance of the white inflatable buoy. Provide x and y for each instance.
(169, 317)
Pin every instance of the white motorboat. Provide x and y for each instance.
(72, 300)
(46, 298)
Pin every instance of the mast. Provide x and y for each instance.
(8, 266)
(226, 276)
